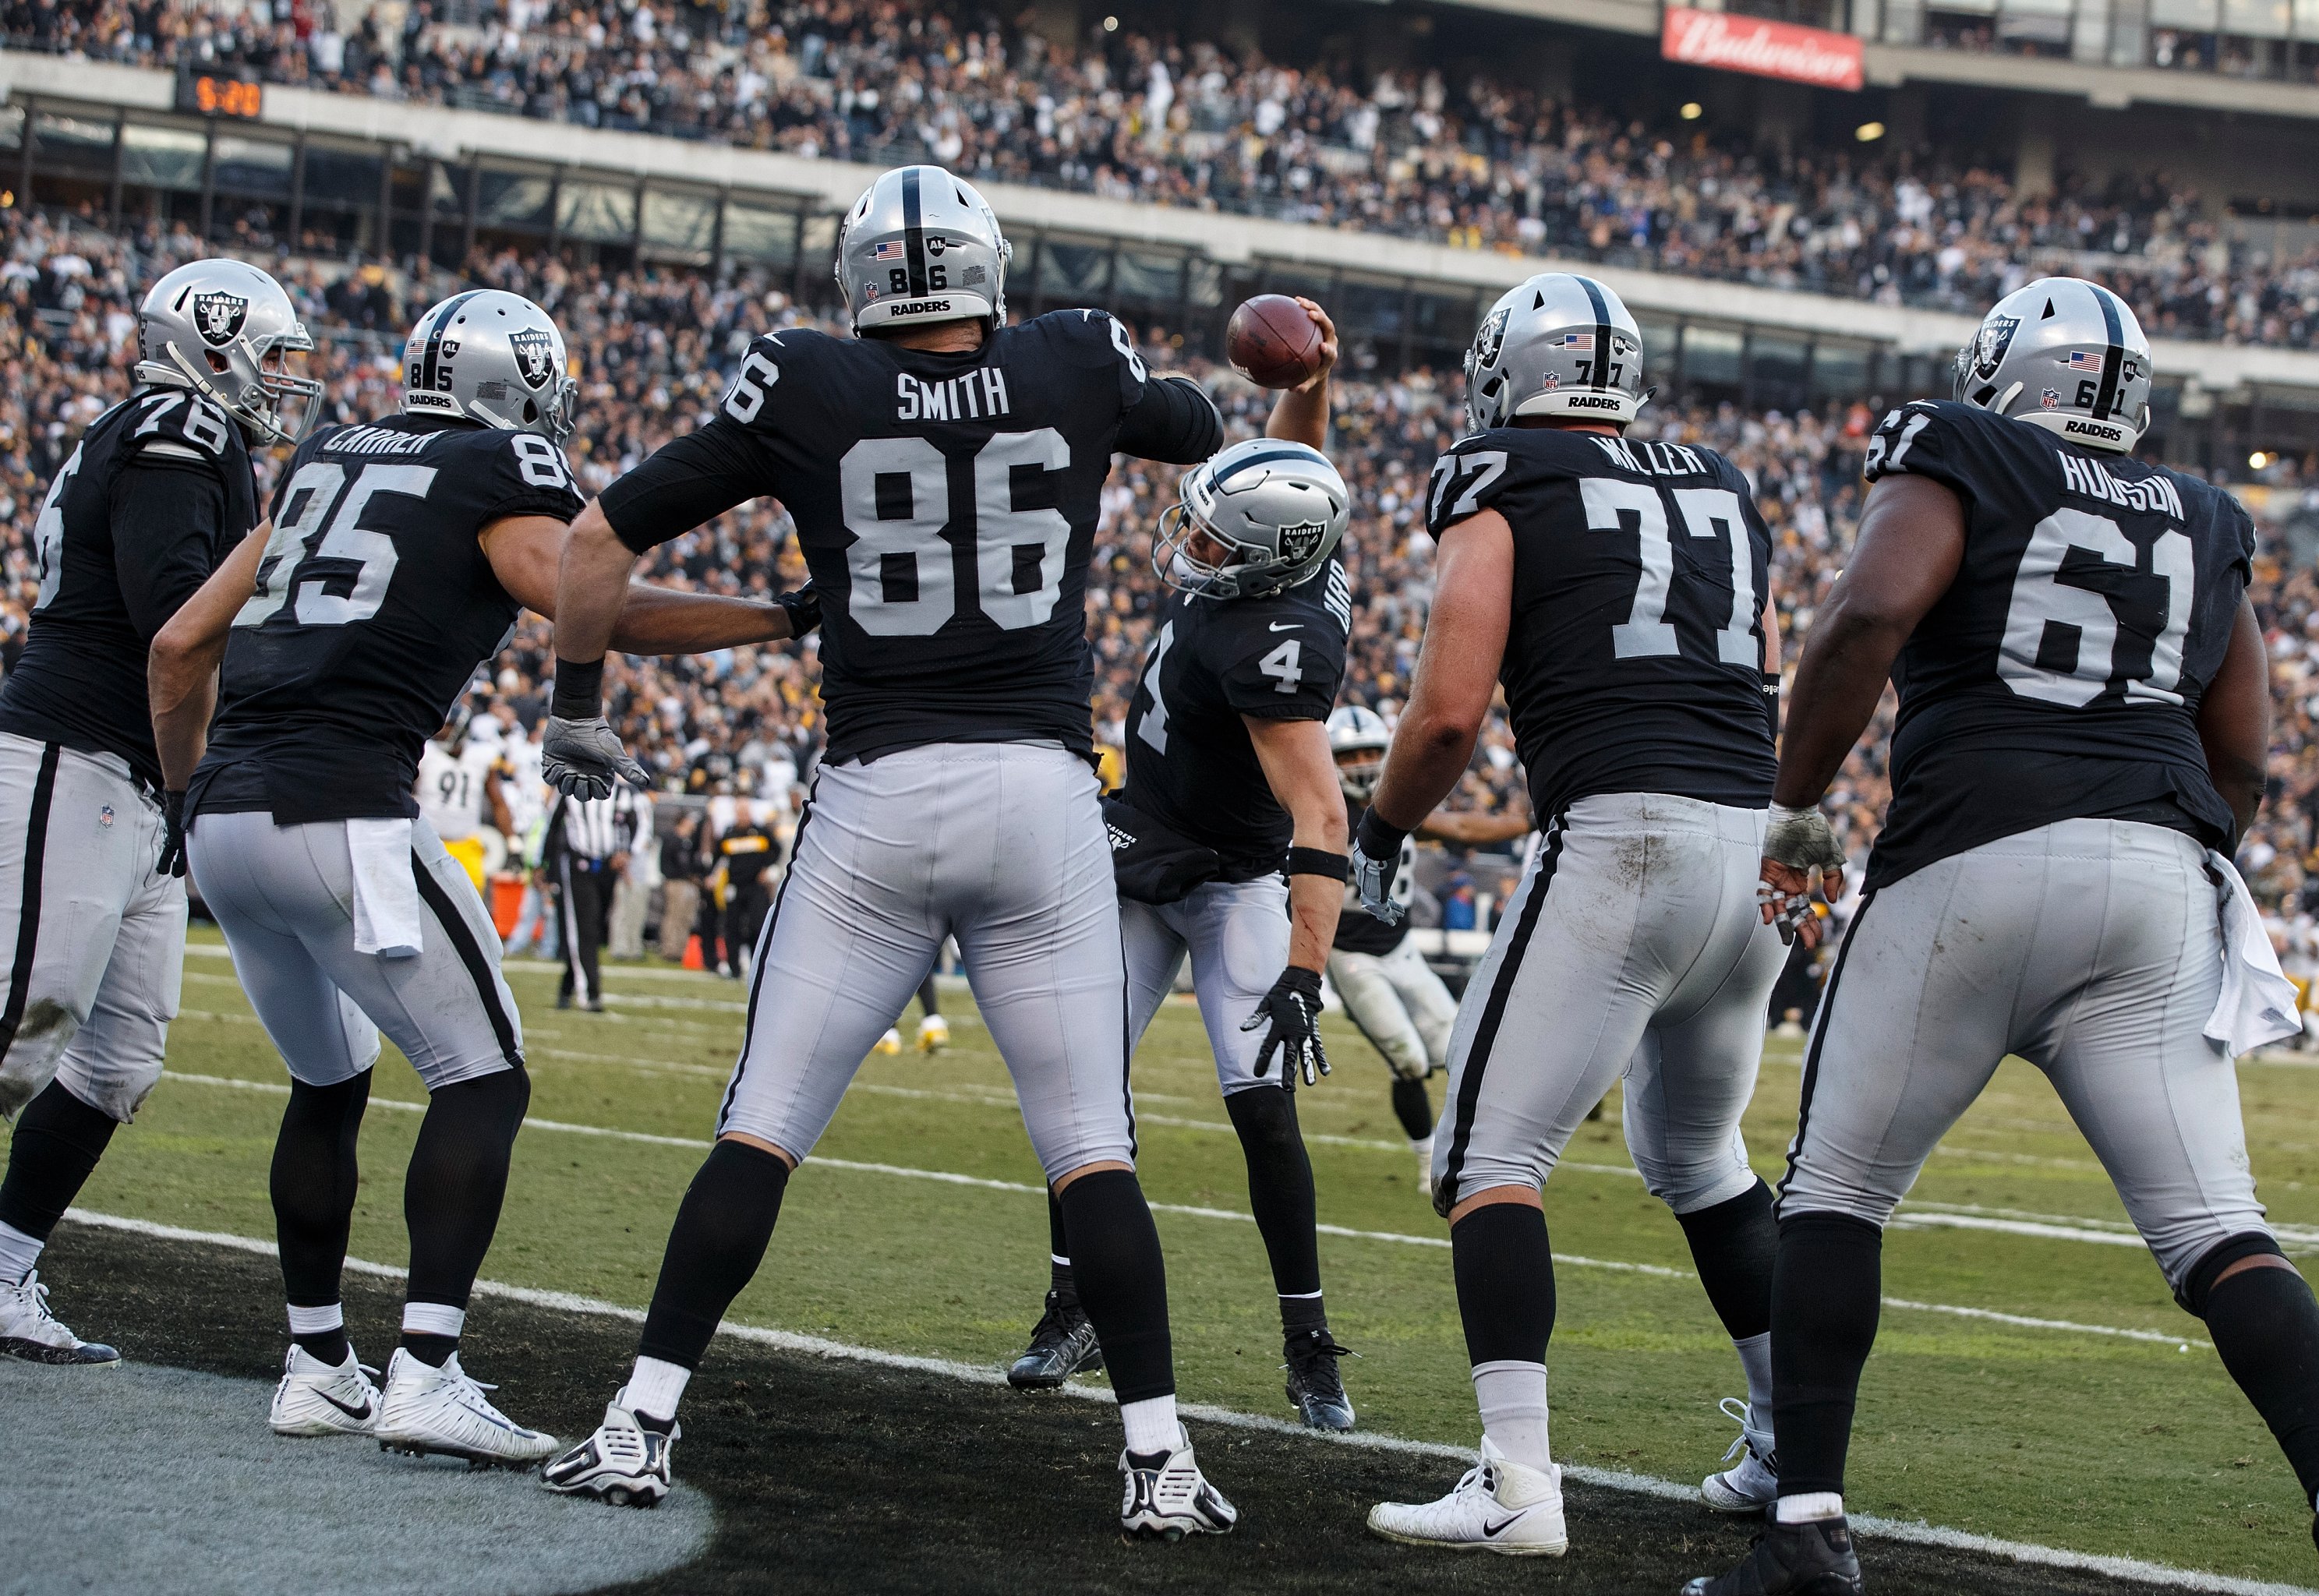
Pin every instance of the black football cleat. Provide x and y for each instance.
(1314, 1386)
(1808, 1559)
(1062, 1344)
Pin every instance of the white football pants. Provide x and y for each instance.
(998, 844)
(1633, 948)
(1236, 933)
(92, 937)
(2092, 949)
(1399, 1004)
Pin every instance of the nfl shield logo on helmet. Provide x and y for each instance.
(535, 354)
(219, 317)
(2050, 399)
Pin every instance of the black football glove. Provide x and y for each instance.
(803, 607)
(172, 836)
(1292, 1009)
(1376, 859)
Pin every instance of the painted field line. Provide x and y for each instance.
(1189, 1211)
(1917, 1534)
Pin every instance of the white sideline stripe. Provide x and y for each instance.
(1919, 1533)
(1188, 1210)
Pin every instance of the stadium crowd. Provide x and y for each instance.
(1429, 153)
(739, 731)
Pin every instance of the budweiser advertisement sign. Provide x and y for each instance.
(1767, 48)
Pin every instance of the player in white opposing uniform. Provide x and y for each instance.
(1389, 992)
(1631, 951)
(458, 792)
(91, 934)
(944, 472)
(2083, 723)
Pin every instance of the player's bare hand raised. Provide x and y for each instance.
(1312, 308)
(581, 758)
(1799, 844)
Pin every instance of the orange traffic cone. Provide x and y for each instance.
(693, 960)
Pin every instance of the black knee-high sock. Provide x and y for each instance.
(314, 1180)
(2266, 1328)
(1280, 1194)
(1505, 1283)
(719, 1237)
(451, 1197)
(59, 1140)
(1123, 1281)
(1059, 1256)
(1826, 1293)
(1413, 1107)
(1735, 1245)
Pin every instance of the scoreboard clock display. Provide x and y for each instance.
(215, 93)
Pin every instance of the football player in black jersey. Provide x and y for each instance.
(943, 470)
(1389, 992)
(1228, 839)
(395, 562)
(157, 491)
(2082, 727)
(1616, 589)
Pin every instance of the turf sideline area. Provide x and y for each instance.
(1917, 1534)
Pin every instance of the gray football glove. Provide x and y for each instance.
(1802, 841)
(581, 758)
(1376, 860)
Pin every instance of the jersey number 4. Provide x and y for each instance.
(898, 505)
(350, 557)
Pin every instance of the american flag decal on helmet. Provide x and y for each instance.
(891, 250)
(1579, 340)
(2085, 360)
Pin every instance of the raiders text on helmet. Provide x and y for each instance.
(226, 329)
(491, 356)
(2065, 355)
(1559, 345)
(922, 246)
(1357, 741)
(1277, 509)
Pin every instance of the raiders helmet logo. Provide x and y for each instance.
(1490, 339)
(936, 244)
(1989, 346)
(1302, 541)
(218, 317)
(535, 356)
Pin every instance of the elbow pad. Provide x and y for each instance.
(1174, 423)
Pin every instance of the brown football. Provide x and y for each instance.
(1272, 342)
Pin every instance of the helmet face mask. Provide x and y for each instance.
(1558, 344)
(226, 329)
(494, 358)
(922, 246)
(1261, 517)
(2065, 355)
(1357, 740)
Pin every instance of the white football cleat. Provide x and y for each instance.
(891, 1043)
(1500, 1506)
(30, 1331)
(1170, 1498)
(934, 1035)
(425, 1409)
(316, 1398)
(1750, 1485)
(623, 1463)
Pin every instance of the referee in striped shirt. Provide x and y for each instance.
(589, 841)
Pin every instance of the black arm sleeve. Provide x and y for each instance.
(169, 529)
(692, 479)
(1173, 422)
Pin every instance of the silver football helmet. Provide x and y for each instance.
(1359, 731)
(226, 329)
(1262, 516)
(921, 246)
(2065, 355)
(1559, 345)
(491, 356)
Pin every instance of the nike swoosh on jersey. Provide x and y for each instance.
(1284, 625)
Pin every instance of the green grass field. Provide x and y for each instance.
(2060, 1435)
